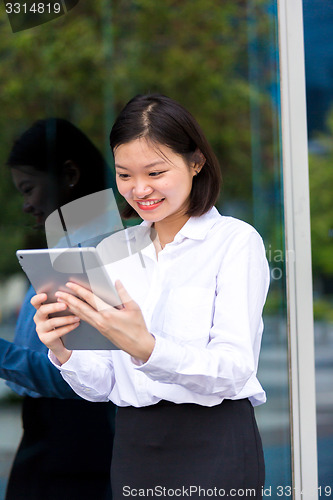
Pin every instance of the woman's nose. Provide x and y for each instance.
(142, 189)
(27, 208)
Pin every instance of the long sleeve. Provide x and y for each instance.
(33, 371)
(89, 373)
(24, 364)
(229, 360)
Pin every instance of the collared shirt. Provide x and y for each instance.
(202, 299)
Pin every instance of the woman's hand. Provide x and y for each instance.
(50, 330)
(125, 327)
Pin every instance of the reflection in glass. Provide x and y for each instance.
(220, 60)
(268, 217)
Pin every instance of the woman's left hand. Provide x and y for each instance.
(125, 327)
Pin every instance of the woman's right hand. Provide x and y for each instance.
(50, 330)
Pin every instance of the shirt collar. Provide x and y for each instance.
(196, 228)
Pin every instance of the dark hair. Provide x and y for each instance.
(164, 121)
(49, 143)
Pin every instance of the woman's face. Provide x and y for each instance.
(37, 190)
(154, 180)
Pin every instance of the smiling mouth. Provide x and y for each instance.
(149, 204)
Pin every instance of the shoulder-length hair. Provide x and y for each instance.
(49, 143)
(163, 121)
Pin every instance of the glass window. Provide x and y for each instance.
(318, 25)
(221, 61)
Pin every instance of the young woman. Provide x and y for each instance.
(190, 329)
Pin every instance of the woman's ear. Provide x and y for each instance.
(71, 174)
(198, 161)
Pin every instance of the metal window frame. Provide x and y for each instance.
(298, 245)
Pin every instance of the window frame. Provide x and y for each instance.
(298, 245)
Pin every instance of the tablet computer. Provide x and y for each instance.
(50, 269)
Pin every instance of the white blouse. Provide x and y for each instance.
(202, 299)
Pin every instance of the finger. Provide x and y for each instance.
(57, 333)
(38, 299)
(124, 296)
(88, 296)
(60, 332)
(46, 309)
(55, 323)
(78, 307)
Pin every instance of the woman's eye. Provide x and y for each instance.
(155, 174)
(27, 190)
(123, 176)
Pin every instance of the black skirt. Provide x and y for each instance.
(187, 451)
